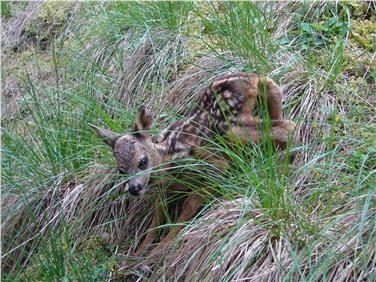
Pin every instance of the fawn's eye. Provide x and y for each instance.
(121, 171)
(143, 163)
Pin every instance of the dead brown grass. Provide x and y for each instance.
(236, 242)
(235, 239)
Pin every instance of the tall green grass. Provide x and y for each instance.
(241, 29)
(49, 155)
(65, 214)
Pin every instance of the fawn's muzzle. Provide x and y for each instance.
(136, 189)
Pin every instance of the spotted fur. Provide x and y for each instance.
(226, 109)
(228, 102)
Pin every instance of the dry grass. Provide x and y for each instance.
(233, 241)
(323, 230)
(97, 206)
(13, 28)
(26, 39)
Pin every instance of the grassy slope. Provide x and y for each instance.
(64, 214)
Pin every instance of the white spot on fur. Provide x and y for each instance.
(227, 94)
(235, 78)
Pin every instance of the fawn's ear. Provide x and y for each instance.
(143, 122)
(107, 136)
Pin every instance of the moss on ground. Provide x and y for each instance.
(110, 60)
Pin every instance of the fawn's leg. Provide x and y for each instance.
(266, 90)
(190, 207)
(273, 97)
(209, 156)
(284, 135)
(157, 220)
(281, 132)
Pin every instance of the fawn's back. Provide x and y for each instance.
(228, 102)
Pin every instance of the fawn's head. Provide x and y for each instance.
(135, 152)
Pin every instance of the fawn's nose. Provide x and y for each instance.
(135, 189)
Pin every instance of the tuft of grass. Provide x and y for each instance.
(241, 29)
(167, 15)
(5, 9)
(65, 214)
(136, 61)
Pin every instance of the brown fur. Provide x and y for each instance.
(225, 109)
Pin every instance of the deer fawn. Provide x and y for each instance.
(224, 109)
